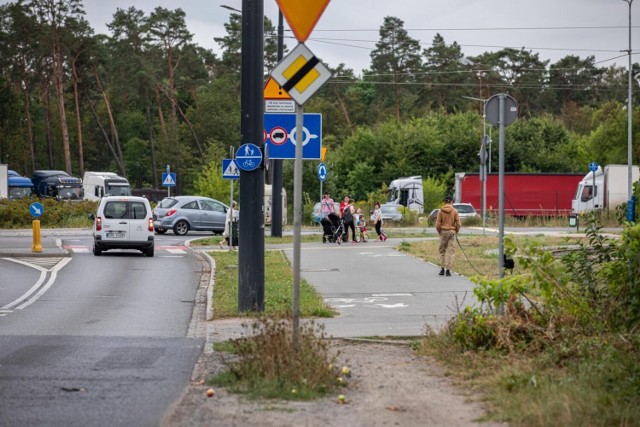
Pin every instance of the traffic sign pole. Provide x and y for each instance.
(297, 223)
(276, 170)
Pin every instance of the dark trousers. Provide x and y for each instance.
(348, 225)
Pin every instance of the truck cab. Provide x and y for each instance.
(589, 194)
(18, 186)
(97, 185)
(407, 192)
(57, 184)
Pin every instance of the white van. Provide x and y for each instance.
(123, 222)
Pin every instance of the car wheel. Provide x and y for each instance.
(96, 250)
(181, 228)
(160, 230)
(149, 251)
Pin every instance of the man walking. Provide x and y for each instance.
(447, 225)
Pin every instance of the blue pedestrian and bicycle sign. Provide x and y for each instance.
(248, 157)
(280, 132)
(593, 166)
(36, 209)
(322, 172)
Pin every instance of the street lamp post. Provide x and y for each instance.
(483, 163)
(629, 116)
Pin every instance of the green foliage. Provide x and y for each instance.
(434, 191)
(15, 213)
(270, 365)
(210, 183)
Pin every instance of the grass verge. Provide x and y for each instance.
(278, 283)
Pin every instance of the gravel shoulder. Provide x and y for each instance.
(389, 385)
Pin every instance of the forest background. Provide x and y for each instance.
(145, 95)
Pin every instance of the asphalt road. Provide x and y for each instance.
(103, 341)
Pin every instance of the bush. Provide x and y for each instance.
(15, 213)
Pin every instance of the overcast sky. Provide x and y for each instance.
(348, 29)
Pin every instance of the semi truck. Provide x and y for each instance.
(525, 194)
(407, 192)
(603, 189)
(4, 192)
(57, 184)
(97, 185)
(18, 186)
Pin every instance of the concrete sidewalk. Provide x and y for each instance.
(14, 244)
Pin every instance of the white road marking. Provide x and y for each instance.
(392, 295)
(25, 299)
(176, 251)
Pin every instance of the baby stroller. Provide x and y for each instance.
(333, 228)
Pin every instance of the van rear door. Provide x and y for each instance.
(125, 220)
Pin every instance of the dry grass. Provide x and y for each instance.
(478, 255)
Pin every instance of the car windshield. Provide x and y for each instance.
(465, 209)
(167, 203)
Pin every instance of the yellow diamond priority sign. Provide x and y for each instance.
(300, 74)
(302, 15)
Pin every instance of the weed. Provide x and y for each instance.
(268, 364)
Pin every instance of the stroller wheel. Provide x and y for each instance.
(365, 238)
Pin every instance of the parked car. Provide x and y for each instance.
(184, 213)
(465, 210)
(433, 215)
(123, 222)
(315, 214)
(390, 212)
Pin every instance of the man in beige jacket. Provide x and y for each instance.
(447, 225)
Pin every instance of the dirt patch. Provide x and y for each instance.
(389, 386)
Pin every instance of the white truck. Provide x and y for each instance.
(407, 192)
(100, 184)
(4, 178)
(268, 204)
(603, 189)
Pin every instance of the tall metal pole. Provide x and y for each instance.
(297, 222)
(629, 118)
(502, 98)
(251, 239)
(276, 184)
(484, 166)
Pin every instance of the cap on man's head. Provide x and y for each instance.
(448, 199)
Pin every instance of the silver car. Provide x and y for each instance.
(184, 213)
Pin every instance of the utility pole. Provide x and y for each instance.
(251, 239)
(630, 117)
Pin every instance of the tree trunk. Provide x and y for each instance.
(154, 171)
(76, 99)
(58, 86)
(27, 115)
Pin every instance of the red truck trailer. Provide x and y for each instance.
(525, 194)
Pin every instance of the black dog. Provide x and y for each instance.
(508, 263)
